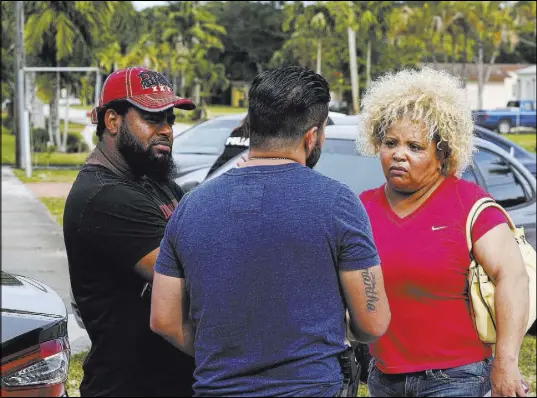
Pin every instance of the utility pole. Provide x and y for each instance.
(19, 63)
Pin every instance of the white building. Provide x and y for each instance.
(524, 87)
(500, 88)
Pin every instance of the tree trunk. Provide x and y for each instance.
(66, 121)
(465, 56)
(435, 62)
(353, 71)
(491, 63)
(54, 109)
(319, 54)
(453, 55)
(444, 50)
(182, 85)
(480, 77)
(368, 63)
(50, 133)
(174, 82)
(197, 90)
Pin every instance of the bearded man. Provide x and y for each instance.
(114, 220)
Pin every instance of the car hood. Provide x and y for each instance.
(189, 162)
(31, 313)
(189, 181)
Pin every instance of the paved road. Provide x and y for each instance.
(32, 245)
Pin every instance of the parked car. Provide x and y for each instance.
(494, 169)
(525, 157)
(35, 347)
(196, 149)
(517, 114)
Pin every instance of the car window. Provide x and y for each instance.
(527, 106)
(503, 143)
(513, 104)
(501, 181)
(340, 161)
(469, 175)
(205, 138)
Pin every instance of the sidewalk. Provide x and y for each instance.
(32, 245)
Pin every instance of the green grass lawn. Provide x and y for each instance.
(75, 374)
(527, 363)
(8, 146)
(527, 141)
(42, 159)
(55, 206)
(83, 107)
(527, 367)
(221, 110)
(59, 159)
(47, 175)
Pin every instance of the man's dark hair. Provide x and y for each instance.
(284, 103)
(121, 107)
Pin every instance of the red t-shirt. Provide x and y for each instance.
(424, 261)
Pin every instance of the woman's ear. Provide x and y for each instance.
(442, 154)
(441, 151)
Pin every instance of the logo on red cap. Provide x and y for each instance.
(154, 80)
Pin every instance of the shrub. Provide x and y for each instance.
(39, 139)
(75, 144)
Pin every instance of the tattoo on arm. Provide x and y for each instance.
(370, 290)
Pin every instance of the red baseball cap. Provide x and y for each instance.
(144, 88)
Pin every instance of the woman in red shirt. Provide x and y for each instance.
(419, 124)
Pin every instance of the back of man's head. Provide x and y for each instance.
(283, 104)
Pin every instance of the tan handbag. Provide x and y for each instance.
(481, 288)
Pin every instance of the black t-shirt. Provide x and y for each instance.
(110, 223)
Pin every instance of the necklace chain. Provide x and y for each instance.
(257, 158)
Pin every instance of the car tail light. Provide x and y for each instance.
(42, 368)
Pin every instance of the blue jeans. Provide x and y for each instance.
(472, 380)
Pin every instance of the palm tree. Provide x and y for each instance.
(53, 30)
(113, 43)
(443, 24)
(524, 15)
(489, 22)
(198, 35)
(181, 44)
(312, 23)
(410, 33)
(373, 23)
(348, 14)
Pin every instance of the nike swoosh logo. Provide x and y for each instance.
(437, 228)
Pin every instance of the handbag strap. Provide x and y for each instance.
(476, 210)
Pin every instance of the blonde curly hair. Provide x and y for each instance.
(436, 99)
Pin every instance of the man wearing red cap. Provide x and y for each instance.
(114, 220)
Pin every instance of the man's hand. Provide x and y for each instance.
(506, 379)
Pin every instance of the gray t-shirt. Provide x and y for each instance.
(260, 249)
